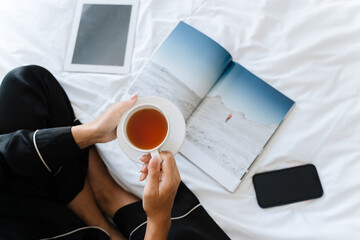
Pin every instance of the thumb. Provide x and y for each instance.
(154, 173)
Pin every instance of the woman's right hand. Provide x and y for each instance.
(159, 195)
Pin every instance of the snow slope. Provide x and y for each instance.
(233, 144)
(155, 80)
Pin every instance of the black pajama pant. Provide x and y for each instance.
(31, 98)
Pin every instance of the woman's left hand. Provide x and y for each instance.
(103, 129)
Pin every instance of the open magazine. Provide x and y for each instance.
(230, 112)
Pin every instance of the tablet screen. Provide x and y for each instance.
(102, 35)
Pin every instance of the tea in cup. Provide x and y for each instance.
(145, 129)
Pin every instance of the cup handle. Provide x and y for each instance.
(157, 154)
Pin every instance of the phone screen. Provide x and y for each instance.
(288, 185)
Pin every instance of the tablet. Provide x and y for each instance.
(102, 36)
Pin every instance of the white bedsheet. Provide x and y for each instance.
(309, 50)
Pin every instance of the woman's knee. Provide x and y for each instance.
(31, 75)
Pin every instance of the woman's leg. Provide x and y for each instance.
(31, 98)
(85, 207)
(108, 194)
(102, 191)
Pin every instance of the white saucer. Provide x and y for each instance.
(176, 123)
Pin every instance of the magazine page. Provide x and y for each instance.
(183, 69)
(230, 127)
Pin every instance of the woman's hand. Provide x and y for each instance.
(105, 125)
(103, 129)
(159, 195)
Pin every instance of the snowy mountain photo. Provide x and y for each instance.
(233, 144)
(156, 80)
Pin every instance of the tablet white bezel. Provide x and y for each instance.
(69, 66)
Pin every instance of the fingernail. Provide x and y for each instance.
(143, 167)
(133, 97)
(141, 158)
(142, 177)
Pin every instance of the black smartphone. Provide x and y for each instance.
(287, 185)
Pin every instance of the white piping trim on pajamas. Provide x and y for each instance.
(173, 218)
(176, 218)
(38, 152)
(79, 229)
(58, 171)
(136, 229)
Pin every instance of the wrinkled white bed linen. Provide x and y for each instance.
(309, 50)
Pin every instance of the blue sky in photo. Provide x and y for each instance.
(192, 57)
(242, 91)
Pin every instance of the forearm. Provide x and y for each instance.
(90, 133)
(37, 153)
(157, 230)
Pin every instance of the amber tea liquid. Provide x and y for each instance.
(147, 128)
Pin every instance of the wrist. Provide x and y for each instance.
(157, 229)
(160, 223)
(84, 135)
(94, 135)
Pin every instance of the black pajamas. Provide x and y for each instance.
(33, 195)
(42, 169)
(30, 99)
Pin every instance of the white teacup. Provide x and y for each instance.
(154, 151)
